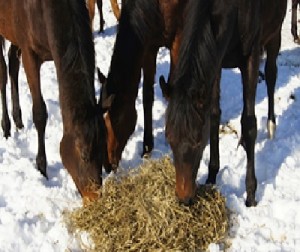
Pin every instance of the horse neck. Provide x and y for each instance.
(197, 60)
(72, 48)
(126, 62)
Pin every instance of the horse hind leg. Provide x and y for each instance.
(272, 49)
(32, 66)
(14, 65)
(5, 121)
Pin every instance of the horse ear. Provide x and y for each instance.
(105, 100)
(106, 103)
(101, 76)
(165, 87)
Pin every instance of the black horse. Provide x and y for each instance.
(219, 33)
(294, 21)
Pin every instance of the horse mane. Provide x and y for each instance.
(75, 64)
(145, 17)
(139, 21)
(194, 73)
(80, 52)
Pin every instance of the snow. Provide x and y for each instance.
(31, 207)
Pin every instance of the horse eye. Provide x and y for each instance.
(85, 156)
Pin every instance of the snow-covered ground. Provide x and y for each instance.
(31, 207)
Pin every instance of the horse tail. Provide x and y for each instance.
(195, 72)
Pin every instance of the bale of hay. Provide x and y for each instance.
(138, 211)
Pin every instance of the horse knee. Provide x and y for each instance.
(249, 129)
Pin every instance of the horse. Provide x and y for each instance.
(144, 27)
(14, 64)
(60, 31)
(218, 34)
(294, 21)
(91, 7)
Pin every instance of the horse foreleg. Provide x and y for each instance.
(5, 122)
(14, 65)
(272, 49)
(99, 5)
(32, 65)
(248, 122)
(294, 21)
(214, 163)
(149, 69)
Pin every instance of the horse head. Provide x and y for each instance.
(187, 132)
(82, 151)
(120, 118)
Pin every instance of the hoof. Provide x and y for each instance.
(146, 152)
(107, 169)
(6, 128)
(251, 203)
(17, 116)
(210, 181)
(42, 166)
(297, 40)
(271, 126)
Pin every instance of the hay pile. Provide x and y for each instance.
(138, 211)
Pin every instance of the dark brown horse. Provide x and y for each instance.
(60, 31)
(218, 34)
(144, 27)
(294, 21)
(14, 65)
